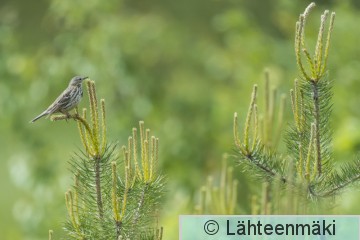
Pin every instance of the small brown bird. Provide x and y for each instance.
(67, 100)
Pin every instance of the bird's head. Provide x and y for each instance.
(77, 80)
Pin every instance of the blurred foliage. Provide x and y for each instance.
(182, 66)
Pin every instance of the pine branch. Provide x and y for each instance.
(337, 181)
(140, 204)
(266, 164)
(317, 125)
(98, 187)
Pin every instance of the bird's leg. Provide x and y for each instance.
(76, 115)
(66, 114)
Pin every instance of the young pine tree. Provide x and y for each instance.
(112, 198)
(306, 171)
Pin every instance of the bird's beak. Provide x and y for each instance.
(85, 78)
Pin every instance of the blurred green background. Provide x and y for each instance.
(183, 67)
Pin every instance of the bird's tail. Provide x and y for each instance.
(40, 116)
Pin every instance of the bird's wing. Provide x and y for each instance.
(60, 101)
